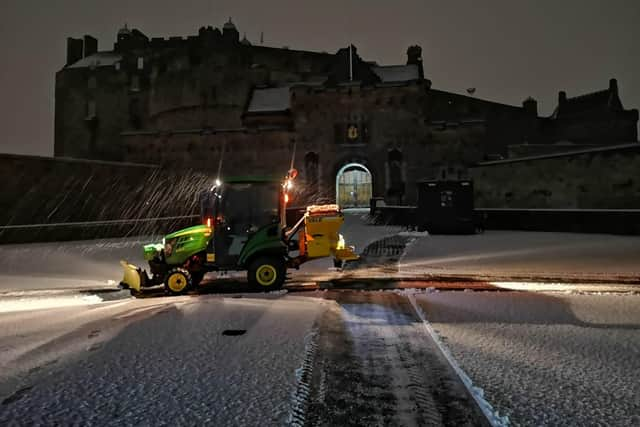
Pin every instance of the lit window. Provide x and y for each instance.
(140, 63)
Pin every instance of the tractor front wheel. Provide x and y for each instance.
(267, 273)
(178, 281)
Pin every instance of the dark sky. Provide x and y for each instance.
(507, 49)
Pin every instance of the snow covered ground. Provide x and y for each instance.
(265, 359)
(525, 254)
(546, 359)
(543, 358)
(95, 264)
(156, 362)
(498, 255)
(87, 264)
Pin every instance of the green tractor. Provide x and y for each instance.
(243, 229)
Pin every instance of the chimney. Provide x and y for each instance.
(414, 56)
(90, 45)
(530, 106)
(613, 86)
(74, 50)
(562, 97)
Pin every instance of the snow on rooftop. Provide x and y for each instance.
(269, 99)
(397, 73)
(100, 59)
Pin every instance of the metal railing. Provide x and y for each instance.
(96, 223)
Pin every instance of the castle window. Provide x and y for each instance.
(135, 83)
(140, 63)
(91, 109)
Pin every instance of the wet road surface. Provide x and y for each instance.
(375, 365)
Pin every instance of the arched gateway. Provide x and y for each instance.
(353, 186)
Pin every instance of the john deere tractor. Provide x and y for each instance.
(243, 227)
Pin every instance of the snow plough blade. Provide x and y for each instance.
(134, 277)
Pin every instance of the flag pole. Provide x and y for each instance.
(350, 63)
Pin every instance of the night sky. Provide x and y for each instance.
(507, 49)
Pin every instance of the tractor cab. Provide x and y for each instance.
(242, 211)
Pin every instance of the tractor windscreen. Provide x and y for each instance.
(249, 206)
(207, 206)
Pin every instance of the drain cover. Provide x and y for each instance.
(234, 332)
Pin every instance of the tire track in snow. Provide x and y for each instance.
(375, 366)
(300, 397)
(477, 393)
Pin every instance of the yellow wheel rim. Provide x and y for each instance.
(177, 282)
(266, 275)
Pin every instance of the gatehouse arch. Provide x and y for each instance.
(354, 186)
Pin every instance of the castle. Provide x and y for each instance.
(355, 129)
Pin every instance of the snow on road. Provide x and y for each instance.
(543, 359)
(499, 255)
(546, 359)
(50, 299)
(95, 264)
(526, 254)
(375, 365)
(86, 264)
(174, 366)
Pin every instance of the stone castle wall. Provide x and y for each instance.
(40, 190)
(592, 179)
(184, 84)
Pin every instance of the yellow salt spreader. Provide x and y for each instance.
(319, 237)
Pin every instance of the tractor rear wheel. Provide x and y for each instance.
(178, 281)
(267, 273)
